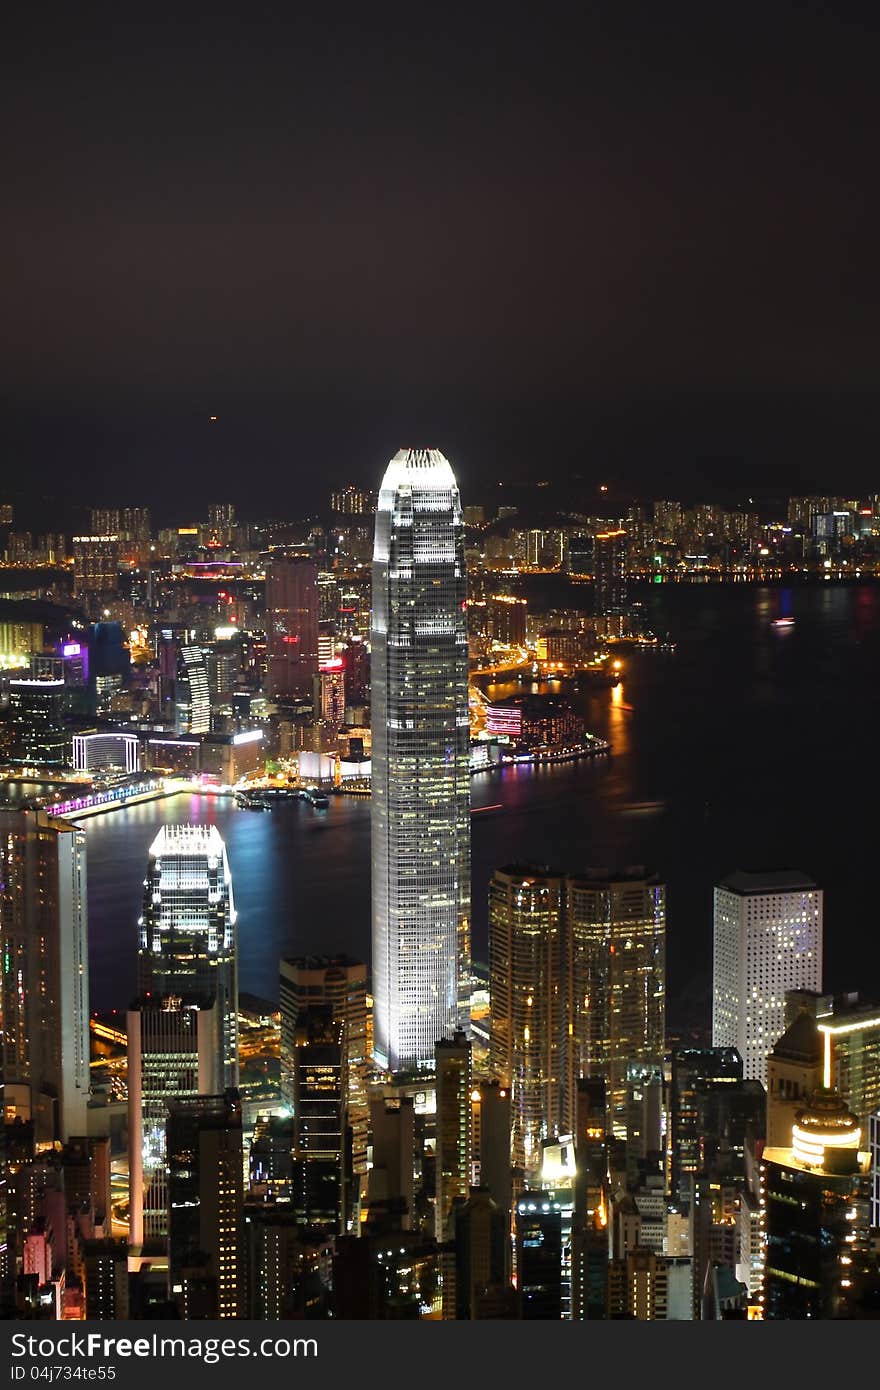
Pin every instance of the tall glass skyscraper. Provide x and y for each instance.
(187, 931)
(420, 773)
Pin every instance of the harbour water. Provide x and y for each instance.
(750, 745)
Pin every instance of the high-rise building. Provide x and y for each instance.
(420, 763)
(481, 1234)
(506, 619)
(616, 978)
(105, 1277)
(35, 729)
(95, 564)
(611, 602)
(695, 1070)
(527, 1043)
(188, 931)
(391, 1191)
(490, 1143)
(292, 625)
(539, 1255)
(321, 1155)
(815, 1205)
(205, 1200)
(768, 939)
(851, 1056)
(44, 986)
(341, 983)
(351, 501)
(454, 1135)
(193, 691)
(173, 1052)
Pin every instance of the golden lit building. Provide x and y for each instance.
(526, 1043)
(615, 978)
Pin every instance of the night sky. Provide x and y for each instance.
(634, 242)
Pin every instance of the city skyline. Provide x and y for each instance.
(439, 644)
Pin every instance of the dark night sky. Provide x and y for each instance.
(614, 239)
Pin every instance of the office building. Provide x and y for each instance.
(391, 1187)
(95, 564)
(420, 763)
(616, 978)
(527, 1043)
(490, 1143)
(851, 1055)
(45, 985)
(610, 593)
(481, 1235)
(351, 501)
(321, 1144)
(454, 1131)
(815, 1206)
(34, 727)
(539, 1256)
(768, 939)
(105, 1280)
(205, 1200)
(192, 714)
(188, 931)
(173, 1052)
(694, 1071)
(506, 619)
(292, 626)
(339, 982)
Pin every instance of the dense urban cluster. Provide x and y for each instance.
(415, 1135)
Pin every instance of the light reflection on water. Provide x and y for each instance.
(725, 754)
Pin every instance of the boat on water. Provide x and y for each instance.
(782, 622)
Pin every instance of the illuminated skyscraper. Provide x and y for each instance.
(341, 983)
(768, 939)
(292, 625)
(816, 1212)
(610, 578)
(44, 987)
(616, 953)
(205, 1201)
(173, 1052)
(454, 1127)
(527, 1044)
(420, 774)
(187, 931)
(193, 709)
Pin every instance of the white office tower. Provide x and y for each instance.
(420, 773)
(768, 939)
(187, 932)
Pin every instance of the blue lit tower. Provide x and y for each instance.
(420, 773)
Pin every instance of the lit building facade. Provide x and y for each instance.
(421, 763)
(187, 931)
(815, 1203)
(454, 1142)
(611, 605)
(767, 939)
(292, 625)
(340, 983)
(205, 1203)
(95, 564)
(173, 1052)
(616, 978)
(45, 982)
(527, 1043)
